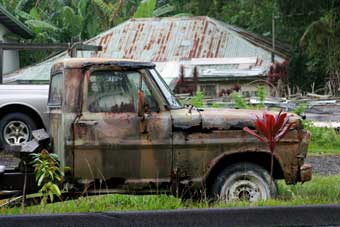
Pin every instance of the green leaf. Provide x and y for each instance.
(23, 15)
(41, 178)
(50, 173)
(20, 5)
(82, 6)
(165, 9)
(39, 26)
(92, 27)
(55, 189)
(105, 8)
(34, 13)
(145, 9)
(51, 195)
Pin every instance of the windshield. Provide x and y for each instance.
(170, 97)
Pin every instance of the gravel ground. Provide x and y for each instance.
(325, 164)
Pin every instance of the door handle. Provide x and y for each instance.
(87, 122)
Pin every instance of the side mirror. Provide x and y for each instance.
(141, 105)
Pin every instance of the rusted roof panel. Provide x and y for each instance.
(170, 39)
(178, 39)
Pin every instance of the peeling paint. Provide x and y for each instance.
(156, 146)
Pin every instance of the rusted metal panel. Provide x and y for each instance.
(110, 144)
(177, 39)
(165, 39)
(160, 146)
(197, 150)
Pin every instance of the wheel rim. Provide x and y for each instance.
(244, 187)
(16, 133)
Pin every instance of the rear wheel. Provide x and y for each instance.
(16, 129)
(243, 182)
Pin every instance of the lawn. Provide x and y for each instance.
(321, 190)
(317, 149)
(323, 140)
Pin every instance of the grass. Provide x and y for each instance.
(317, 149)
(324, 140)
(321, 190)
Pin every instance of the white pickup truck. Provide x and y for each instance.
(22, 108)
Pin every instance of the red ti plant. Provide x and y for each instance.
(270, 130)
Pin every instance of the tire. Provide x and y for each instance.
(243, 181)
(16, 128)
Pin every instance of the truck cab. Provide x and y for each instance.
(117, 120)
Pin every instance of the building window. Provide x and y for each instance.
(208, 90)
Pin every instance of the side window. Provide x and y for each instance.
(112, 91)
(149, 101)
(56, 90)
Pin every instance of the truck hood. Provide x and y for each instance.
(228, 118)
(218, 118)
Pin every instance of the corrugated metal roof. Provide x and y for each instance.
(240, 68)
(170, 39)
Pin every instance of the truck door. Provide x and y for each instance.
(111, 139)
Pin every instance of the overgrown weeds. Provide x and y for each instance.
(321, 190)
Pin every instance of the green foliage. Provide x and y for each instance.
(252, 15)
(145, 9)
(216, 105)
(300, 109)
(39, 26)
(323, 139)
(47, 174)
(105, 8)
(261, 96)
(67, 21)
(163, 10)
(312, 28)
(239, 102)
(197, 100)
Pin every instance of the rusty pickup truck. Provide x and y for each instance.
(116, 121)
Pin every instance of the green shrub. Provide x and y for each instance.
(48, 174)
(300, 109)
(239, 102)
(261, 96)
(197, 100)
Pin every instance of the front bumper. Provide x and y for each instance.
(305, 172)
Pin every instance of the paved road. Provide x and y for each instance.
(241, 217)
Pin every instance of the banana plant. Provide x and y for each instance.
(270, 129)
(145, 9)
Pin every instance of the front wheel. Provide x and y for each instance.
(243, 182)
